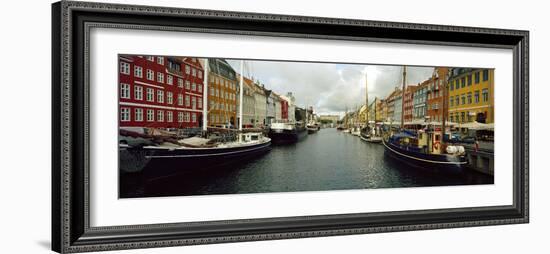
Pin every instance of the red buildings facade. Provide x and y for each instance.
(160, 92)
(409, 105)
(436, 94)
(284, 108)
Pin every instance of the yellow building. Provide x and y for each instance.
(222, 94)
(471, 95)
(381, 110)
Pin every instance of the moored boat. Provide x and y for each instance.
(191, 155)
(312, 127)
(286, 132)
(425, 149)
(424, 153)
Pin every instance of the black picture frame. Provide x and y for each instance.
(71, 231)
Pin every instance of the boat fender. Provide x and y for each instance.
(452, 149)
(461, 149)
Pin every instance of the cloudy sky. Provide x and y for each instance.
(330, 88)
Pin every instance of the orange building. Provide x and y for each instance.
(436, 94)
(222, 94)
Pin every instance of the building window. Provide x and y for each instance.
(125, 68)
(457, 84)
(180, 99)
(200, 74)
(199, 88)
(452, 86)
(150, 94)
(187, 101)
(124, 91)
(169, 116)
(124, 114)
(463, 99)
(485, 93)
(169, 97)
(187, 117)
(451, 102)
(187, 85)
(138, 92)
(477, 77)
(463, 82)
(169, 79)
(457, 100)
(193, 72)
(180, 117)
(194, 87)
(199, 103)
(150, 115)
(194, 102)
(469, 80)
(187, 69)
(150, 58)
(476, 96)
(462, 118)
(160, 96)
(194, 117)
(150, 75)
(470, 98)
(485, 75)
(160, 116)
(138, 114)
(212, 91)
(160, 60)
(160, 77)
(138, 71)
(180, 83)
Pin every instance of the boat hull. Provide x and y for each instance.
(158, 163)
(370, 139)
(441, 163)
(286, 136)
(312, 130)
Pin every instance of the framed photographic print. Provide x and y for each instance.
(181, 126)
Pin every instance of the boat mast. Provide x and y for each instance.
(443, 117)
(205, 97)
(367, 98)
(241, 97)
(403, 96)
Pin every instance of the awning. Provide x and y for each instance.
(477, 126)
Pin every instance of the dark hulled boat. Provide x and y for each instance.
(425, 153)
(166, 160)
(286, 133)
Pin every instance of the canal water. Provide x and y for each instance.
(326, 160)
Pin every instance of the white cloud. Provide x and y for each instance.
(330, 88)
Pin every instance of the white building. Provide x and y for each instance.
(270, 101)
(249, 103)
(260, 106)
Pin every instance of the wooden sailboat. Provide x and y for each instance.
(368, 133)
(198, 153)
(425, 149)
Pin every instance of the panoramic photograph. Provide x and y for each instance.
(210, 126)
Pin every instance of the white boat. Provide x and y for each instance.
(169, 156)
